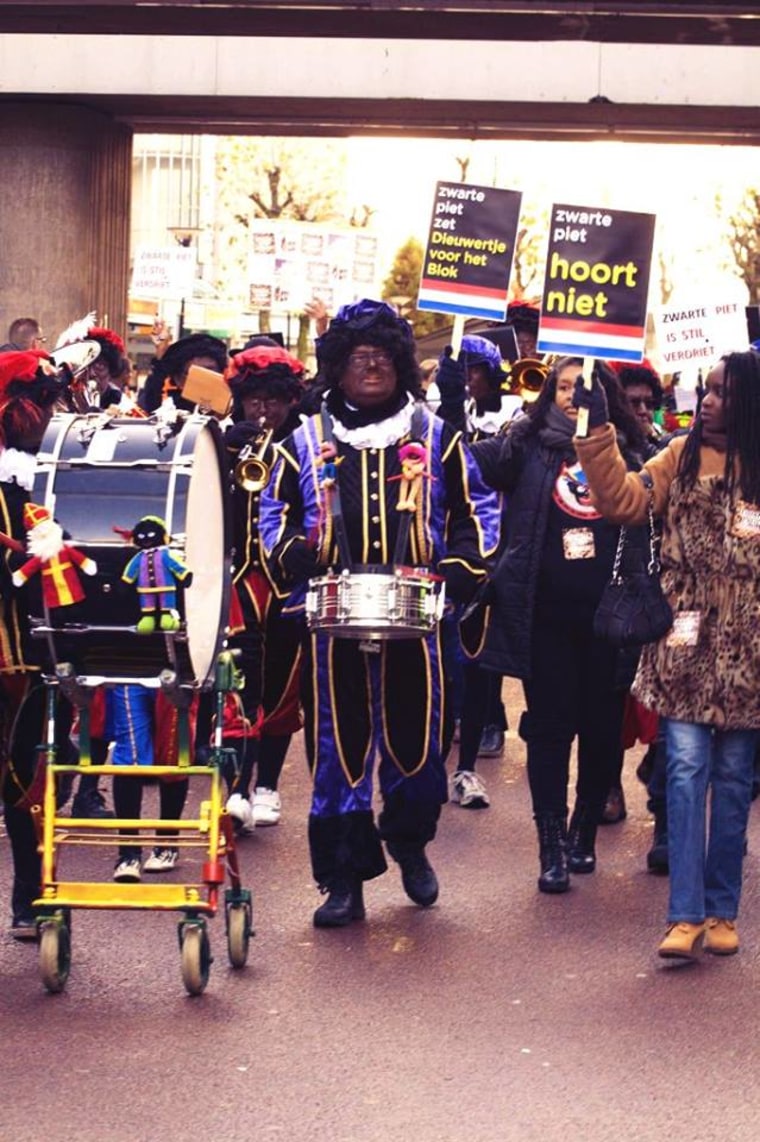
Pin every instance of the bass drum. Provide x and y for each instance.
(98, 478)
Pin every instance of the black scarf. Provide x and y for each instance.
(557, 431)
(358, 417)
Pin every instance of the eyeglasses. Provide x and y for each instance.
(378, 357)
(645, 402)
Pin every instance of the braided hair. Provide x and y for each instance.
(741, 403)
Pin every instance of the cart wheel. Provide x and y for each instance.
(238, 934)
(196, 958)
(55, 955)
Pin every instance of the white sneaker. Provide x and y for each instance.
(161, 860)
(127, 871)
(468, 789)
(239, 808)
(266, 805)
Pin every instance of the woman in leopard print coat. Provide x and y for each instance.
(703, 677)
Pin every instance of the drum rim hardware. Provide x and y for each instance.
(418, 619)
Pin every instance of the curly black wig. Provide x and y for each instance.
(640, 374)
(368, 322)
(264, 370)
(168, 371)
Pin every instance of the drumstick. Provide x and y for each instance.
(13, 544)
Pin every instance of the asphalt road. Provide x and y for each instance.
(498, 1015)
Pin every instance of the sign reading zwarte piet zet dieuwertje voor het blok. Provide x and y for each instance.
(470, 247)
(597, 281)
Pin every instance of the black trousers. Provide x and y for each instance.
(571, 693)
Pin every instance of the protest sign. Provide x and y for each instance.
(470, 247)
(163, 271)
(596, 285)
(698, 334)
(292, 262)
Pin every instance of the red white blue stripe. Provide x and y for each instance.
(591, 339)
(469, 300)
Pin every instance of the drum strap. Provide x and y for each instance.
(339, 524)
(402, 537)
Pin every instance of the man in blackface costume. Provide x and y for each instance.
(346, 485)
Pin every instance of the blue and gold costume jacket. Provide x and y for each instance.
(456, 519)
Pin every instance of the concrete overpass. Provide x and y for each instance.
(77, 79)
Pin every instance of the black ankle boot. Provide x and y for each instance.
(417, 875)
(345, 902)
(581, 836)
(657, 857)
(554, 876)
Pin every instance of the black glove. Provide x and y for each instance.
(450, 377)
(461, 583)
(299, 561)
(240, 434)
(594, 399)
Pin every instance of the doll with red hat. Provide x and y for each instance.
(30, 384)
(53, 558)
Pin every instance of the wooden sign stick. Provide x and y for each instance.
(581, 428)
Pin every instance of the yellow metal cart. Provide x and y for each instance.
(211, 831)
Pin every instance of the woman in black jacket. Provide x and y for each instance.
(557, 557)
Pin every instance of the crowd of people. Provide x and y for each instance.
(443, 470)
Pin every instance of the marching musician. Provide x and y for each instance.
(169, 370)
(472, 397)
(107, 369)
(333, 498)
(265, 382)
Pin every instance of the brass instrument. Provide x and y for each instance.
(74, 361)
(527, 377)
(251, 473)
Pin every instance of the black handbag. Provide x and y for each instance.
(633, 609)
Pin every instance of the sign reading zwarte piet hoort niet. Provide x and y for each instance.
(596, 285)
(469, 251)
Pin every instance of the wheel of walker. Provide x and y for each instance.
(238, 934)
(55, 955)
(196, 958)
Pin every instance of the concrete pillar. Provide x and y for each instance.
(65, 191)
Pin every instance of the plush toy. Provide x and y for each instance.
(329, 461)
(53, 558)
(414, 468)
(156, 572)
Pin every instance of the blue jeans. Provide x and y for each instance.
(700, 757)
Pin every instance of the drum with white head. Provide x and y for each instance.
(98, 476)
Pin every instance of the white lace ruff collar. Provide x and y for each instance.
(18, 467)
(380, 435)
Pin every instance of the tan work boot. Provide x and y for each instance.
(721, 937)
(682, 941)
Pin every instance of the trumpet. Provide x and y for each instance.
(251, 472)
(527, 377)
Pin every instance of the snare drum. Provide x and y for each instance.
(96, 474)
(375, 603)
